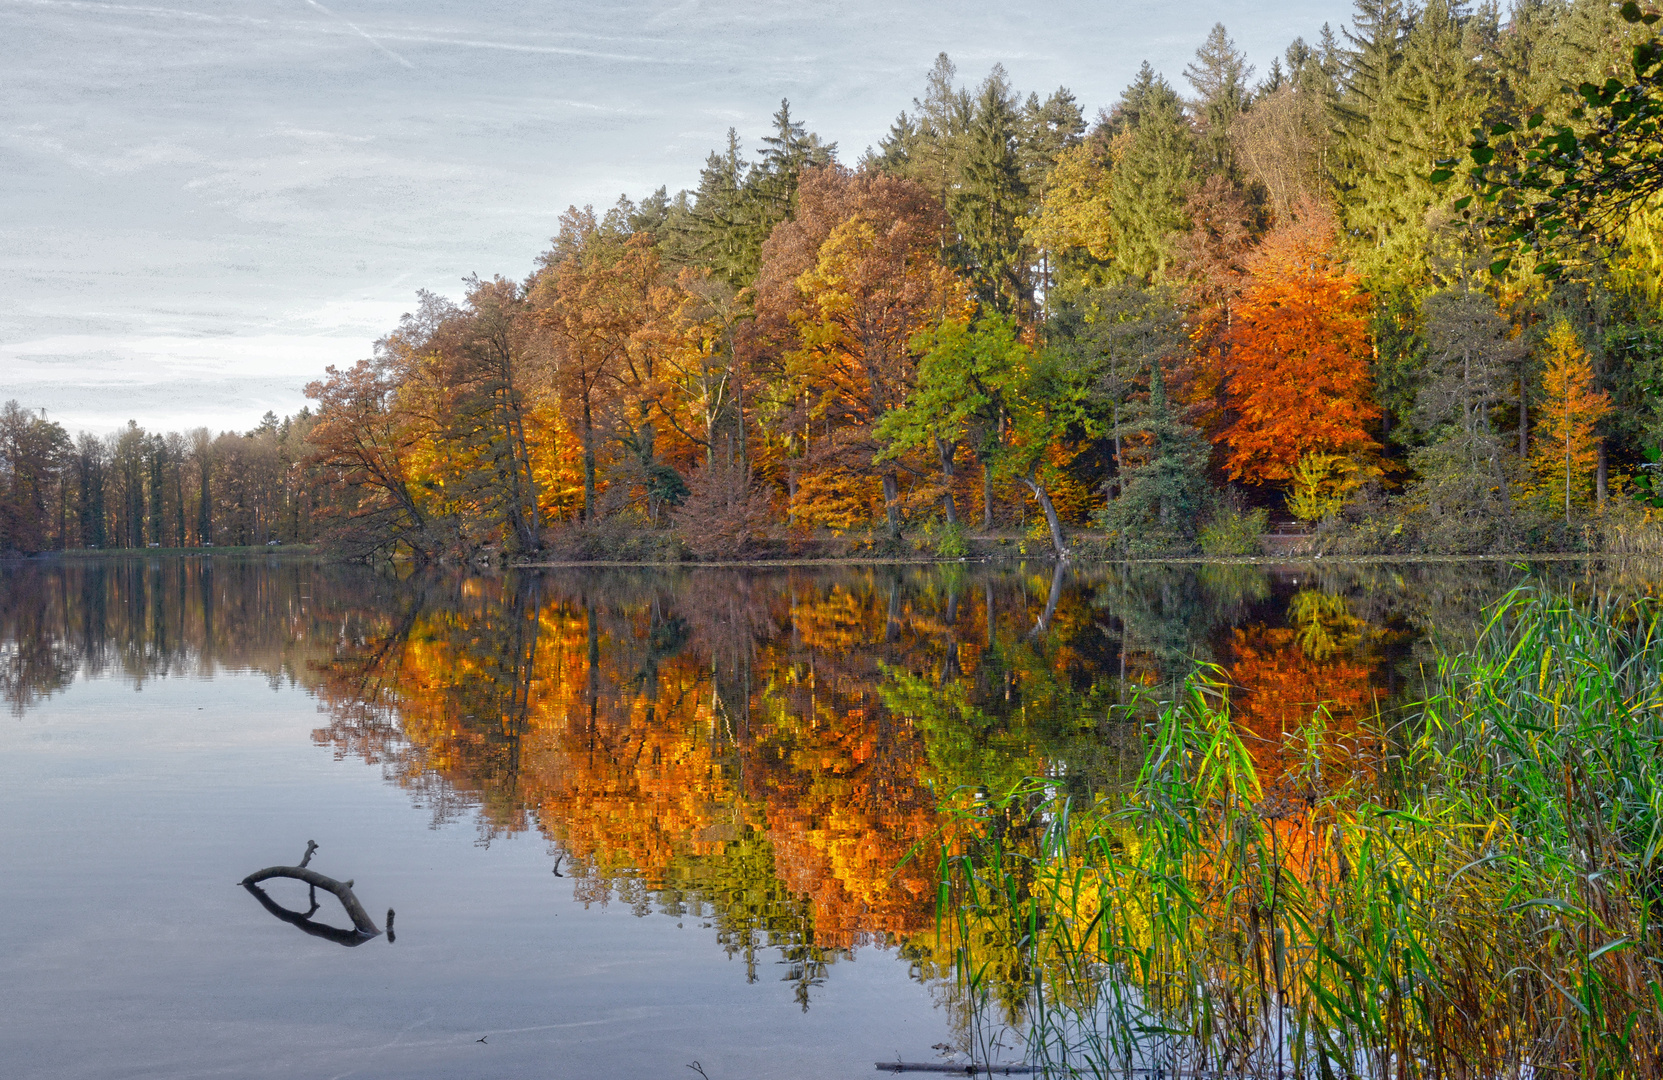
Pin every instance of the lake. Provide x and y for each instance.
(629, 821)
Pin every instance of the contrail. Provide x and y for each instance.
(360, 32)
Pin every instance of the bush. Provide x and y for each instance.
(618, 538)
(1234, 531)
(952, 544)
(725, 515)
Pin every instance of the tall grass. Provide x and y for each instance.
(1475, 895)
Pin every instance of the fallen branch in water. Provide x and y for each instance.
(364, 927)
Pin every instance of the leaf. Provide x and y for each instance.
(1439, 176)
(1499, 267)
(1502, 129)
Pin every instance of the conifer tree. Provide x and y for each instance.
(1153, 171)
(1164, 490)
(990, 199)
(1220, 77)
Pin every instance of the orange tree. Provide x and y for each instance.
(1296, 365)
(603, 302)
(1570, 410)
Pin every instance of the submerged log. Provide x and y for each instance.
(364, 928)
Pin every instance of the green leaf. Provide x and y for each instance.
(1440, 175)
(1483, 154)
(1502, 129)
(1534, 122)
(1631, 12)
(1463, 202)
(1499, 267)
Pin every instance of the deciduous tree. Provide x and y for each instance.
(1296, 375)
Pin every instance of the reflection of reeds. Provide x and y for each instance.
(1482, 902)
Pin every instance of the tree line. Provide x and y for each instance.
(140, 489)
(1170, 322)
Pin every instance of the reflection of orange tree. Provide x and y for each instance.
(839, 778)
(1284, 675)
(716, 749)
(842, 781)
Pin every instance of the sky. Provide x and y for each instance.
(203, 203)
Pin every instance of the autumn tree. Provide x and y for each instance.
(362, 446)
(1283, 145)
(34, 453)
(1296, 373)
(479, 367)
(1569, 412)
(602, 299)
(844, 287)
(1072, 222)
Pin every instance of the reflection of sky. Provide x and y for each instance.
(204, 203)
(128, 949)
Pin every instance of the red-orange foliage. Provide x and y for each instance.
(1296, 363)
(1281, 689)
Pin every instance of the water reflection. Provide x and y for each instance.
(768, 755)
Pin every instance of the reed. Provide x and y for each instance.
(1472, 893)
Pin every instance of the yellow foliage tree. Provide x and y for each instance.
(1075, 210)
(1571, 408)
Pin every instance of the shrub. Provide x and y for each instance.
(952, 544)
(726, 513)
(1234, 531)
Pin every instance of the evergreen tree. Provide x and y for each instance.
(1165, 491)
(1154, 171)
(738, 204)
(1220, 77)
(991, 197)
(1464, 465)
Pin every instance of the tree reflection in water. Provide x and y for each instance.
(771, 753)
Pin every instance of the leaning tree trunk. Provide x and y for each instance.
(1051, 518)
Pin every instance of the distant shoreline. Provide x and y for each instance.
(116, 554)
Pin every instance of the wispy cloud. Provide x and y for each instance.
(360, 32)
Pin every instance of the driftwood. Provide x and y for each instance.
(364, 928)
(1157, 1073)
(971, 1069)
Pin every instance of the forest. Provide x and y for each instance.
(1400, 292)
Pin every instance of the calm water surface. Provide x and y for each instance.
(628, 821)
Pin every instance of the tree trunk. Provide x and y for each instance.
(1600, 472)
(987, 497)
(1051, 602)
(588, 464)
(944, 451)
(1051, 518)
(892, 503)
